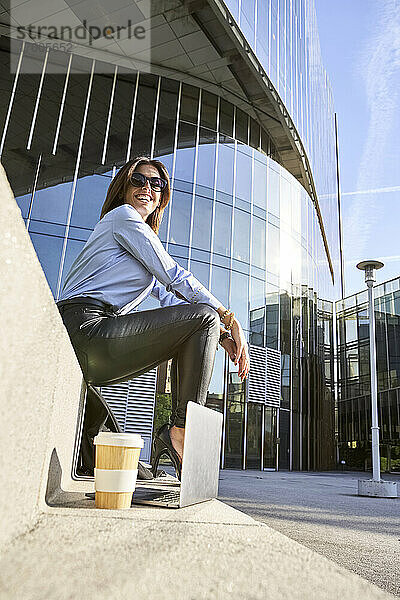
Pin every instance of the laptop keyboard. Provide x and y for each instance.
(157, 496)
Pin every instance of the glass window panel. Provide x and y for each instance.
(287, 252)
(226, 117)
(240, 266)
(96, 120)
(351, 328)
(352, 362)
(240, 298)
(274, 45)
(48, 250)
(189, 103)
(234, 8)
(296, 210)
(72, 119)
(23, 106)
(272, 318)
(221, 261)
(262, 36)
(257, 298)
(162, 232)
(167, 160)
(220, 284)
(258, 242)
(144, 118)
(51, 203)
(184, 165)
(257, 319)
(285, 201)
(166, 119)
(363, 325)
(80, 234)
(270, 438)
(206, 161)
(273, 192)
(253, 437)
(243, 176)
(234, 430)
(201, 255)
(364, 359)
(215, 396)
(273, 249)
(304, 231)
(201, 237)
(178, 250)
(180, 218)
(265, 143)
(241, 236)
(285, 317)
(222, 229)
(208, 114)
(201, 271)
(183, 262)
(72, 251)
(241, 126)
(254, 134)
(90, 195)
(243, 205)
(260, 185)
(225, 168)
(49, 104)
(46, 228)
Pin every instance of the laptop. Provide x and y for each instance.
(200, 465)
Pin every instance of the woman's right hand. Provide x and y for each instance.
(242, 352)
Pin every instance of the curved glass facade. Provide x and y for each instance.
(284, 36)
(237, 219)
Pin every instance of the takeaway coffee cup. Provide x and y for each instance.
(115, 473)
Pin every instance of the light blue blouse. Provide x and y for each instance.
(124, 261)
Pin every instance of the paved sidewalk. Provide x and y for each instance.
(324, 512)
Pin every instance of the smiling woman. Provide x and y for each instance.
(123, 262)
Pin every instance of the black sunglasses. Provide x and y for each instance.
(139, 180)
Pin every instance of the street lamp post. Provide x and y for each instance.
(375, 486)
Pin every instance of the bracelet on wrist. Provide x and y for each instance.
(223, 336)
(231, 314)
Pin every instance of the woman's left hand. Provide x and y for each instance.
(230, 348)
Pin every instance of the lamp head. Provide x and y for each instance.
(370, 266)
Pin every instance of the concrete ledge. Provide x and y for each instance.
(40, 379)
(206, 551)
(377, 489)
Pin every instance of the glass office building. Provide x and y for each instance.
(241, 114)
(354, 406)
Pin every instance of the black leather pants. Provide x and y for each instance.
(111, 348)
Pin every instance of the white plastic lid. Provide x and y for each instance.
(108, 438)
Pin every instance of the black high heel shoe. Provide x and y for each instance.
(162, 445)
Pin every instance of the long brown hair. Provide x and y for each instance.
(119, 186)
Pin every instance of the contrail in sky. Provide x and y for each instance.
(381, 67)
(394, 188)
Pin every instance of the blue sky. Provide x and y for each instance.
(360, 44)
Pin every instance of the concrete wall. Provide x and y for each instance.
(40, 380)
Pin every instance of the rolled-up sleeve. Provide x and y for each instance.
(165, 298)
(137, 238)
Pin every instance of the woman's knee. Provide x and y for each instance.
(210, 316)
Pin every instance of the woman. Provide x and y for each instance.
(123, 262)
